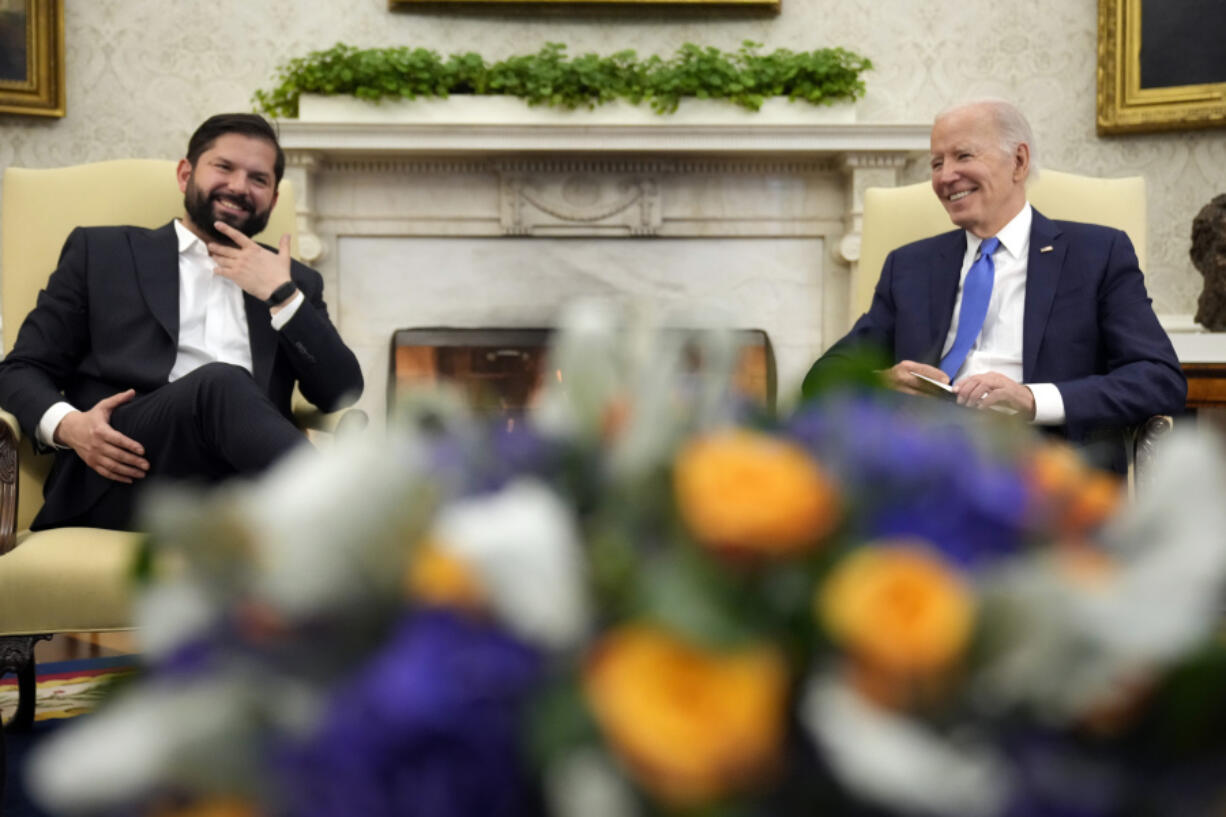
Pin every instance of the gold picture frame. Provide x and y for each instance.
(770, 5)
(1124, 106)
(32, 36)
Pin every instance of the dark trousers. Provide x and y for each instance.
(210, 424)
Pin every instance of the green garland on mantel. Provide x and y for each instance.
(550, 77)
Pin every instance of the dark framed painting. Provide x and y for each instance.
(770, 5)
(1161, 65)
(32, 57)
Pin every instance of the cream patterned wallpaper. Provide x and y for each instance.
(143, 73)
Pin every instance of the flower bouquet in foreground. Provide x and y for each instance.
(650, 598)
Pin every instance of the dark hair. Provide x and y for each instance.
(247, 124)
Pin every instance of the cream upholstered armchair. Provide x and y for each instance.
(894, 216)
(68, 579)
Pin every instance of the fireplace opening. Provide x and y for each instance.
(501, 371)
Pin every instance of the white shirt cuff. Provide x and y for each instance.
(1048, 404)
(51, 421)
(291, 306)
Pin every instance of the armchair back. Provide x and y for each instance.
(894, 216)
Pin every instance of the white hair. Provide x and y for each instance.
(1011, 127)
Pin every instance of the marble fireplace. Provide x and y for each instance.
(491, 221)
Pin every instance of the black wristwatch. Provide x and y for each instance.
(281, 294)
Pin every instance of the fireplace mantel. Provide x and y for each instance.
(490, 125)
(452, 221)
(486, 131)
(347, 139)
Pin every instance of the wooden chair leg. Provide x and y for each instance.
(17, 656)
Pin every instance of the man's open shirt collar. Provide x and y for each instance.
(1014, 236)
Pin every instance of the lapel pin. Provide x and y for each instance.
(1048, 248)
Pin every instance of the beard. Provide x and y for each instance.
(200, 209)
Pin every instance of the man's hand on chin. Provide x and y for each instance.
(901, 377)
(992, 389)
(256, 270)
(109, 452)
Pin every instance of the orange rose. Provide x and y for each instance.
(744, 490)
(898, 607)
(1075, 497)
(1054, 469)
(691, 724)
(435, 577)
(218, 807)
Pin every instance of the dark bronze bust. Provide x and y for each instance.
(1209, 256)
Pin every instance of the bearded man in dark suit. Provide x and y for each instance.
(174, 352)
(1068, 338)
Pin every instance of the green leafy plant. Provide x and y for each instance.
(744, 77)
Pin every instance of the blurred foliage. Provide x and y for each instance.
(857, 368)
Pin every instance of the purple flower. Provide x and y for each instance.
(1056, 777)
(449, 462)
(429, 728)
(502, 452)
(195, 657)
(917, 472)
(515, 452)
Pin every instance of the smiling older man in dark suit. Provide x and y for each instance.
(1051, 322)
(174, 352)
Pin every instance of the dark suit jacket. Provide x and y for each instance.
(108, 320)
(1089, 327)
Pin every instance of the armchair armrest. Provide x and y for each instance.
(1143, 442)
(310, 418)
(10, 435)
(307, 416)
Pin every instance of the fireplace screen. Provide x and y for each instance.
(501, 370)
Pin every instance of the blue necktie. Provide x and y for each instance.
(976, 292)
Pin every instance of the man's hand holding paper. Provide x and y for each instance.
(993, 390)
(910, 377)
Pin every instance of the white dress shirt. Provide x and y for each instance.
(212, 316)
(999, 345)
(212, 322)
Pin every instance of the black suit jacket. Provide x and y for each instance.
(1089, 327)
(108, 321)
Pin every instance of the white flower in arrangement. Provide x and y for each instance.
(671, 398)
(897, 762)
(318, 533)
(169, 734)
(1171, 544)
(584, 376)
(587, 783)
(122, 752)
(171, 612)
(523, 544)
(329, 527)
(1077, 638)
(619, 378)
